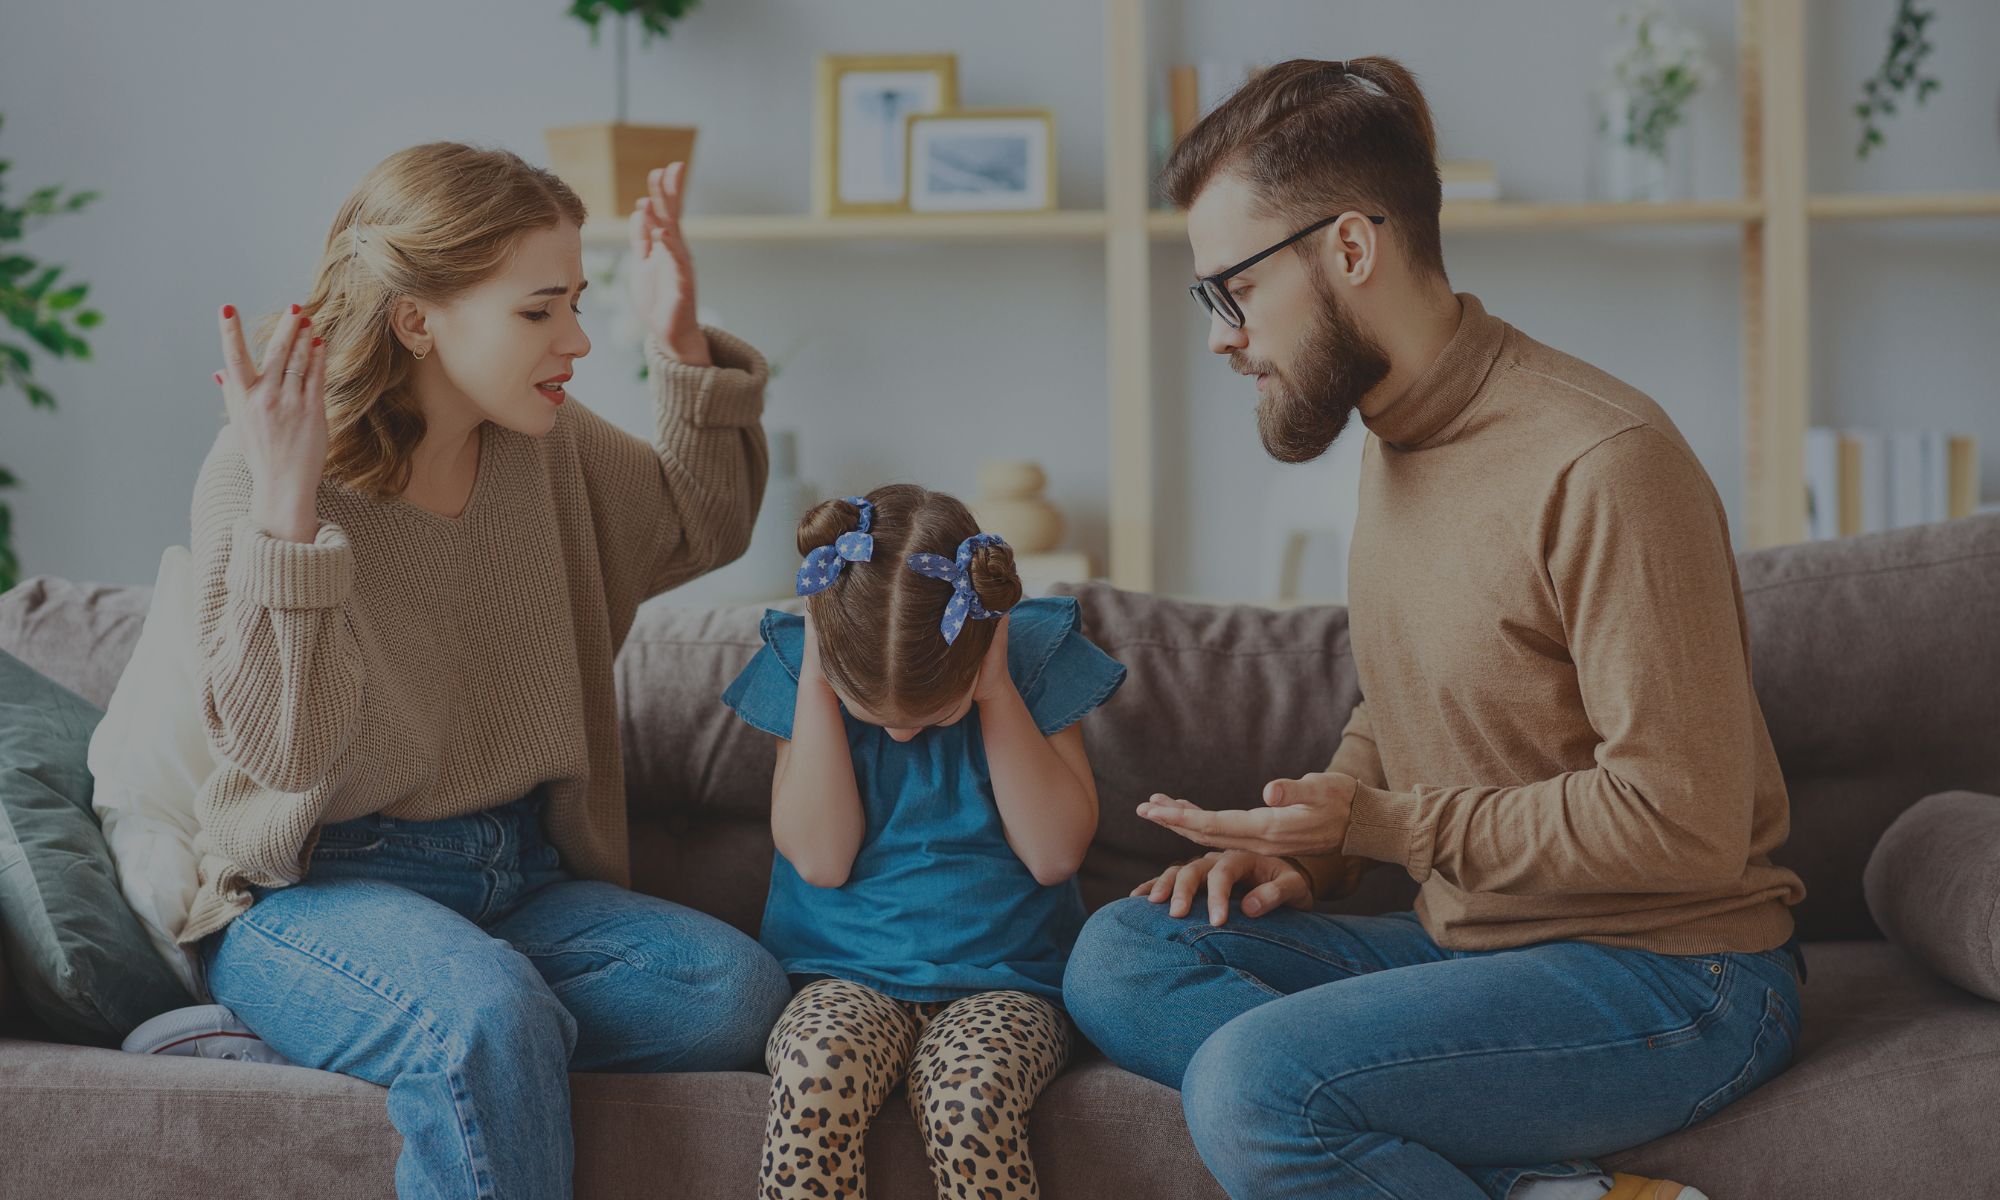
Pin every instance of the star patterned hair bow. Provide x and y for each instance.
(823, 565)
(958, 573)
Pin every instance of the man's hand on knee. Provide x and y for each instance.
(1274, 882)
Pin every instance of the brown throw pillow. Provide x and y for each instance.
(1933, 885)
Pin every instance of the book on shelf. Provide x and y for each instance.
(1194, 90)
(1468, 180)
(1869, 480)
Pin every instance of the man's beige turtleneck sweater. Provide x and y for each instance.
(1558, 737)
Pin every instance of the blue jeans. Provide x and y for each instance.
(1338, 1056)
(456, 963)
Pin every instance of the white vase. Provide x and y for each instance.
(1625, 170)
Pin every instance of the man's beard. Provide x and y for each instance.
(1299, 415)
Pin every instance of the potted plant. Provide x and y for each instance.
(35, 300)
(607, 162)
(1642, 106)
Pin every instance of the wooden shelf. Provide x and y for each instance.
(1506, 214)
(1074, 225)
(1892, 205)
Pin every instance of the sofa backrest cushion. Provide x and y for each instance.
(1877, 662)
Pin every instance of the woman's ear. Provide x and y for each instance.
(411, 323)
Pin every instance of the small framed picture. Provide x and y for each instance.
(864, 101)
(983, 161)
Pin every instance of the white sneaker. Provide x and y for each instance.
(203, 1031)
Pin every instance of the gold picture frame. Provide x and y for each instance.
(860, 134)
(1011, 168)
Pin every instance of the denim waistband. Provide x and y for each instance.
(523, 816)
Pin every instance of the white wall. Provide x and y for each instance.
(224, 133)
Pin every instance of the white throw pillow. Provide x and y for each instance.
(150, 756)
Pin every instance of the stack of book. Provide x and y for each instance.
(1868, 480)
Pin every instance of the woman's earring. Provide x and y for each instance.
(419, 354)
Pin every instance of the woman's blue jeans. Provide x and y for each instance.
(1338, 1056)
(456, 963)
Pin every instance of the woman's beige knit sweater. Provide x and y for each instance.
(426, 667)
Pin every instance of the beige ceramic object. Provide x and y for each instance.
(1012, 505)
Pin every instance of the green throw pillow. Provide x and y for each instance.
(76, 955)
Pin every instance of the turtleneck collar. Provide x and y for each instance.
(1444, 390)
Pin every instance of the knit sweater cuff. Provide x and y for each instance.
(728, 394)
(271, 572)
(1386, 826)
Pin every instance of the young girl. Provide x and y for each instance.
(931, 806)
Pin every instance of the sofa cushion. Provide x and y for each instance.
(186, 1126)
(1933, 885)
(148, 760)
(1875, 661)
(1891, 1093)
(76, 952)
(78, 634)
(1892, 1090)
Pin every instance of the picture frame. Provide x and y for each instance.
(864, 101)
(982, 161)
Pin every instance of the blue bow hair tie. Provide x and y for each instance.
(958, 573)
(823, 564)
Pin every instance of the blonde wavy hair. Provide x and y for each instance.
(428, 223)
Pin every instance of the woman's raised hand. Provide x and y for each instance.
(662, 270)
(279, 409)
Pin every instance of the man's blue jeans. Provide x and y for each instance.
(1338, 1056)
(457, 964)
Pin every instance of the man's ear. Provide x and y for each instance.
(1350, 250)
(410, 321)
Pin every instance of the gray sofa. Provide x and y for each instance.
(1875, 661)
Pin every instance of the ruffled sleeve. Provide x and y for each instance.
(766, 690)
(1061, 674)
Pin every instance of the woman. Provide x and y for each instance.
(416, 560)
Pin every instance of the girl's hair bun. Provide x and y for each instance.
(826, 521)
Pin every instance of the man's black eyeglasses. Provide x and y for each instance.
(1212, 291)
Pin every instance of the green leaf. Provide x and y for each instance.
(39, 396)
(69, 297)
(49, 337)
(42, 283)
(89, 318)
(18, 355)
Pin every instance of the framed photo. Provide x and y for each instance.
(864, 101)
(984, 161)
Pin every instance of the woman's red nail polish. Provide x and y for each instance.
(218, 377)
(317, 342)
(295, 310)
(229, 312)
(305, 322)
